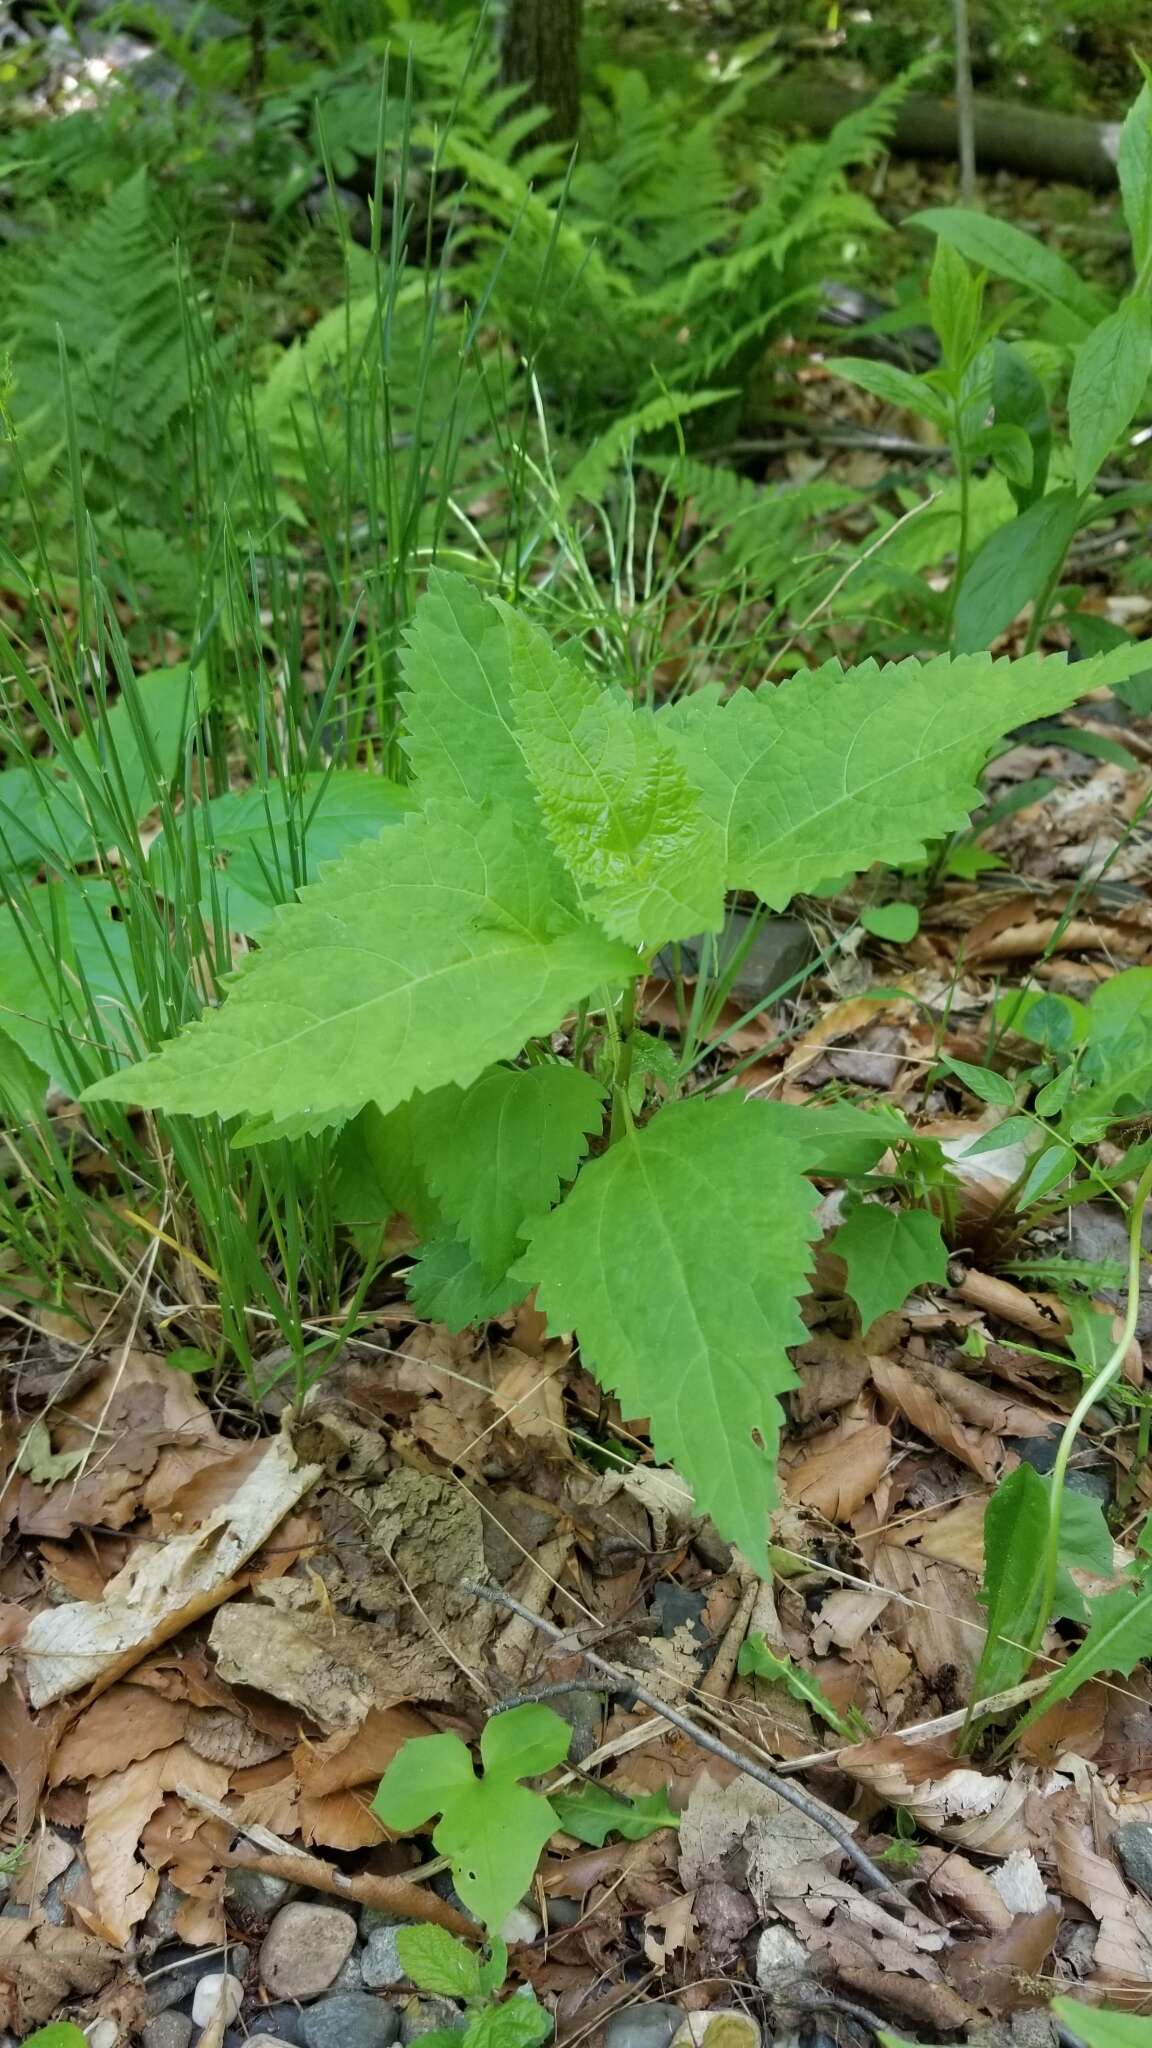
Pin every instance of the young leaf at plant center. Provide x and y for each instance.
(896, 922)
(436, 1961)
(492, 1829)
(889, 1253)
(1109, 379)
(417, 960)
(1096, 2026)
(1015, 1529)
(1119, 1635)
(457, 707)
(954, 297)
(1013, 567)
(756, 1660)
(617, 803)
(837, 769)
(592, 1813)
(656, 1260)
(1019, 400)
(1006, 251)
(496, 1154)
(517, 2023)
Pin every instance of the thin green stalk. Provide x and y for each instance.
(1108, 1373)
(623, 1035)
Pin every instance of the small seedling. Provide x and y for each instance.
(758, 1661)
(437, 1962)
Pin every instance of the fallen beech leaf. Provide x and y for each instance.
(677, 1930)
(357, 1758)
(126, 1723)
(841, 1469)
(46, 1857)
(919, 1400)
(1002, 1972)
(939, 1621)
(25, 1748)
(530, 1395)
(42, 1968)
(224, 1738)
(1123, 1953)
(960, 1805)
(161, 1591)
(956, 1537)
(118, 1808)
(341, 1820)
(957, 1882)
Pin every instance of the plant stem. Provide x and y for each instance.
(1109, 1371)
(622, 1075)
(965, 110)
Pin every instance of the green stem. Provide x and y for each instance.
(1109, 1371)
(964, 479)
(622, 1074)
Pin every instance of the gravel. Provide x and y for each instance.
(219, 1986)
(643, 2026)
(305, 1948)
(1133, 1845)
(173, 1986)
(380, 1961)
(167, 2030)
(351, 2019)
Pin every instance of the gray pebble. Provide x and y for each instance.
(160, 1919)
(351, 1976)
(380, 1960)
(174, 1985)
(280, 2022)
(779, 1957)
(251, 1892)
(218, 1988)
(564, 1912)
(167, 2030)
(305, 1948)
(351, 2019)
(1133, 1845)
(642, 2026)
(372, 1917)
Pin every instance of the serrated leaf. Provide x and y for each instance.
(524, 1742)
(1109, 378)
(835, 770)
(757, 1660)
(418, 960)
(436, 1961)
(1119, 1635)
(896, 922)
(447, 1285)
(658, 1259)
(889, 1253)
(1015, 1527)
(457, 706)
(379, 1173)
(497, 1153)
(838, 1138)
(619, 807)
(593, 1813)
(518, 2023)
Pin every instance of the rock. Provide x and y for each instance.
(778, 1956)
(380, 1962)
(738, 2029)
(103, 2034)
(372, 1917)
(780, 948)
(255, 1895)
(1095, 1482)
(176, 1978)
(349, 2020)
(1133, 1844)
(1097, 1231)
(217, 1988)
(351, 1976)
(564, 1912)
(643, 2026)
(521, 1924)
(54, 1901)
(167, 2030)
(425, 2016)
(724, 1916)
(281, 2022)
(679, 1607)
(305, 1949)
(160, 1919)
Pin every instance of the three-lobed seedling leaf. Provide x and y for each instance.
(491, 1828)
(888, 1253)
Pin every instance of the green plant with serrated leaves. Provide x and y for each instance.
(1031, 410)
(474, 971)
(436, 1962)
(757, 1660)
(491, 1828)
(592, 1813)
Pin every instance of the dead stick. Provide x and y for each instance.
(277, 1858)
(624, 1681)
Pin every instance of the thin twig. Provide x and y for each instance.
(624, 1681)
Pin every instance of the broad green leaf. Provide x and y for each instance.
(1094, 2024)
(497, 1153)
(896, 922)
(1013, 567)
(983, 1083)
(1116, 1065)
(517, 2023)
(379, 1173)
(423, 1778)
(268, 841)
(447, 1285)
(592, 1813)
(1058, 1022)
(833, 771)
(1015, 1528)
(889, 1253)
(457, 708)
(23, 1084)
(524, 1742)
(60, 2034)
(42, 820)
(1019, 400)
(1085, 1538)
(493, 1833)
(893, 385)
(436, 1961)
(67, 982)
(138, 746)
(617, 804)
(658, 1260)
(756, 1660)
(419, 959)
(1008, 252)
(837, 1138)
(1119, 1635)
(1109, 379)
(1135, 169)
(954, 299)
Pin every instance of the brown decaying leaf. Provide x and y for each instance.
(959, 1804)
(919, 1400)
(46, 1856)
(118, 1808)
(126, 1723)
(359, 1756)
(25, 1749)
(529, 1393)
(42, 1968)
(955, 1537)
(291, 1642)
(961, 1887)
(1001, 1972)
(162, 1591)
(340, 1820)
(1124, 1949)
(838, 1472)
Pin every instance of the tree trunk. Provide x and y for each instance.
(540, 49)
(1007, 137)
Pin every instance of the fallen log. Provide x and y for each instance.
(1008, 136)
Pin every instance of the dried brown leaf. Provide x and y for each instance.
(1002, 1972)
(25, 1749)
(1124, 1948)
(356, 1757)
(42, 1968)
(840, 1470)
(920, 1400)
(126, 1723)
(118, 1809)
